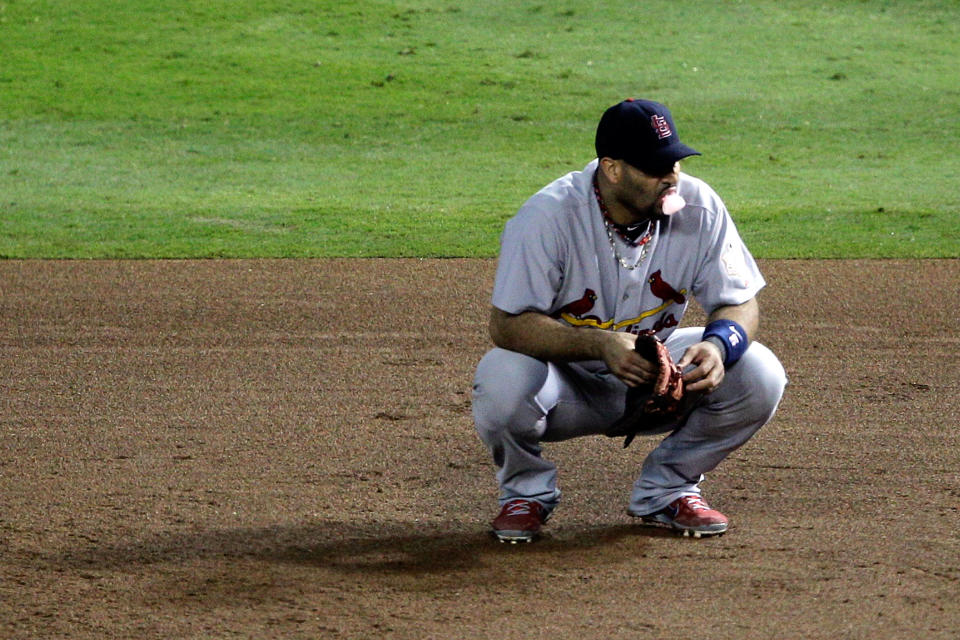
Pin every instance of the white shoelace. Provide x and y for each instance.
(696, 503)
(518, 508)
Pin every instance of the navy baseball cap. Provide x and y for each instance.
(642, 133)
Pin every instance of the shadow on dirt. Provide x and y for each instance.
(384, 547)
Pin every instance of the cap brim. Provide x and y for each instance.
(663, 159)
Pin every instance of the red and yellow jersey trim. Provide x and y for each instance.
(610, 324)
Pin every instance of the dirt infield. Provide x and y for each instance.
(284, 449)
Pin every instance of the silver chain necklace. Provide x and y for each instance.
(643, 246)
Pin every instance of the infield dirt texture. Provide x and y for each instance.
(284, 449)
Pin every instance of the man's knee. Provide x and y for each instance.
(763, 377)
(504, 392)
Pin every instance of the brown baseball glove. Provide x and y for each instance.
(653, 405)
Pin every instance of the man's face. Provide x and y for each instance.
(640, 192)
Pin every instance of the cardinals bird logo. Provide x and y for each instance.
(663, 290)
(579, 308)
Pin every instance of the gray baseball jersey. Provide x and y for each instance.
(558, 257)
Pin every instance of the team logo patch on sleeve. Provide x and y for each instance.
(734, 264)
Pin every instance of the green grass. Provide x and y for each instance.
(284, 128)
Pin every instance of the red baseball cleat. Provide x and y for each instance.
(520, 520)
(690, 515)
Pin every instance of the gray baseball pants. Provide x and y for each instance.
(520, 402)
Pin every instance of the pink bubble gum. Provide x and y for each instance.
(671, 203)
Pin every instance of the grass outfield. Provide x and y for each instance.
(284, 128)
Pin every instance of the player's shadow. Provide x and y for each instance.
(377, 547)
(437, 551)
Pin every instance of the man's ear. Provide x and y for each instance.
(612, 169)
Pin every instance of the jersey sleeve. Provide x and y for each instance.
(728, 274)
(530, 267)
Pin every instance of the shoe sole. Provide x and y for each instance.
(510, 536)
(716, 531)
(514, 537)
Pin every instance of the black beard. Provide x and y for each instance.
(659, 217)
(650, 215)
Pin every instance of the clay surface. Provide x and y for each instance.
(284, 449)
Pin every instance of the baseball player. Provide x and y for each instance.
(589, 263)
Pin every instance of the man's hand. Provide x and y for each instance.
(709, 367)
(624, 362)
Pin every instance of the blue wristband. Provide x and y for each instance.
(733, 337)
